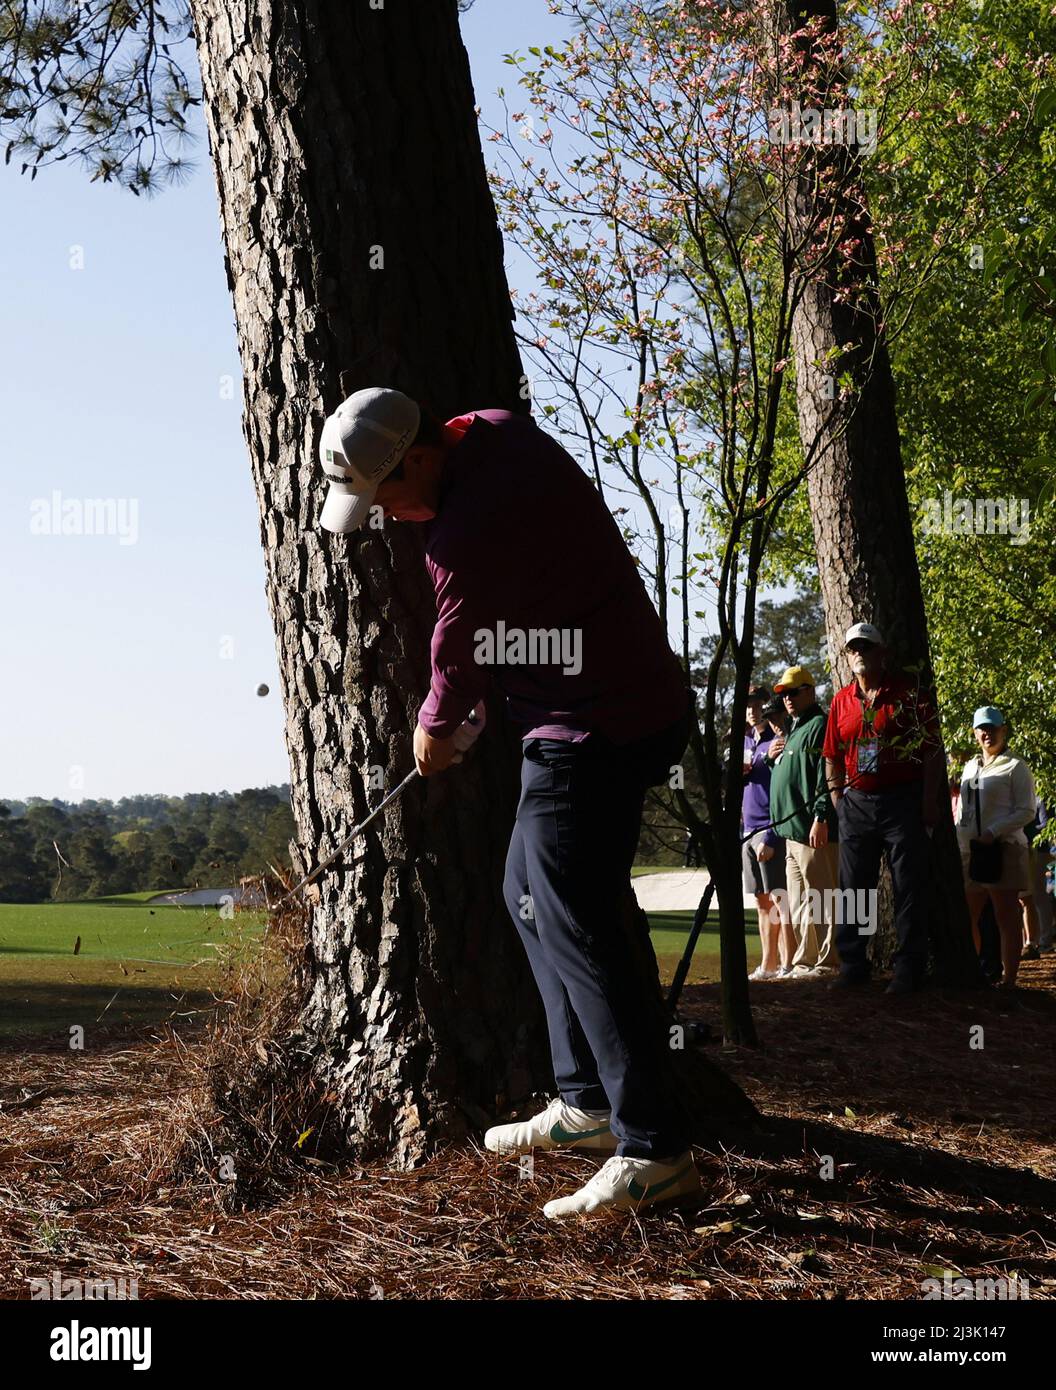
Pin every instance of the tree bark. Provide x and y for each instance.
(857, 488)
(363, 249)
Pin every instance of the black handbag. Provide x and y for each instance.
(984, 861)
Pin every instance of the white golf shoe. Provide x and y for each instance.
(559, 1126)
(627, 1184)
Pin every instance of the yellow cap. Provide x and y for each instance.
(795, 675)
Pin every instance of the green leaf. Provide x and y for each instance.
(1035, 398)
(1045, 107)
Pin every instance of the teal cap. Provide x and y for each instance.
(987, 714)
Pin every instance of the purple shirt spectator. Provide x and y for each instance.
(536, 590)
(755, 803)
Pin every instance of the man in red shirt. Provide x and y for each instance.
(883, 758)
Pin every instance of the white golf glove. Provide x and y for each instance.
(470, 729)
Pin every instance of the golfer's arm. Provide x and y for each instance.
(458, 680)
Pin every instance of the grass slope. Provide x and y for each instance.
(135, 964)
(138, 964)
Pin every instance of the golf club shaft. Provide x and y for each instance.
(310, 878)
(699, 918)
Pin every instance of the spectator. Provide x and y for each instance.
(884, 768)
(802, 812)
(989, 944)
(997, 800)
(1047, 875)
(763, 851)
(1037, 904)
(775, 713)
(955, 791)
(691, 857)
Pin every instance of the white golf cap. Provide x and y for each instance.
(361, 443)
(866, 632)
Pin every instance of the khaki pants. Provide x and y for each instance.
(807, 868)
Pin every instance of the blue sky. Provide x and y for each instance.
(134, 667)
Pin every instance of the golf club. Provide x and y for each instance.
(310, 878)
(699, 918)
(473, 720)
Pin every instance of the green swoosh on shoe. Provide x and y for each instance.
(637, 1191)
(565, 1136)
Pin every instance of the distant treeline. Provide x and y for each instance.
(54, 850)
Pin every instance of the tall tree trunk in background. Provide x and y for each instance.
(857, 487)
(363, 249)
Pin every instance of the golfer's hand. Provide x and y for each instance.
(467, 733)
(764, 853)
(819, 834)
(777, 747)
(987, 837)
(433, 754)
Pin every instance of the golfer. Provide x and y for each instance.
(537, 595)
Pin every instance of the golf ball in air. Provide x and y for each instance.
(262, 690)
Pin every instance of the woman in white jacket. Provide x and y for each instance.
(996, 802)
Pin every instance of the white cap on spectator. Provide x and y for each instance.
(866, 632)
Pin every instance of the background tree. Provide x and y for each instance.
(977, 412)
(644, 183)
(157, 842)
(92, 859)
(791, 632)
(863, 531)
(17, 868)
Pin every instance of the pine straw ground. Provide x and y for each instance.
(943, 1159)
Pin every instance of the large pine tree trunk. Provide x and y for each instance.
(857, 487)
(363, 249)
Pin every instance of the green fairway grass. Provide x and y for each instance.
(138, 964)
(669, 932)
(135, 964)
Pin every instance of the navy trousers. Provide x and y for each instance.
(578, 822)
(873, 824)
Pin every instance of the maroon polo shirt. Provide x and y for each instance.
(537, 593)
(901, 720)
